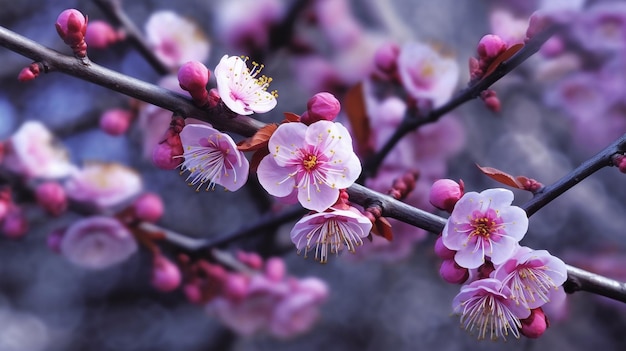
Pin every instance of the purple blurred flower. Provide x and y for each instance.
(602, 27)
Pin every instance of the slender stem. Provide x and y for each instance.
(113, 9)
(597, 162)
(413, 121)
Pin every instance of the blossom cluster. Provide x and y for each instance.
(504, 284)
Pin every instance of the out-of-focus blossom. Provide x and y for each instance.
(51, 197)
(243, 90)
(315, 161)
(176, 40)
(34, 153)
(484, 306)
(15, 225)
(327, 232)
(484, 225)
(97, 242)
(425, 74)
(116, 121)
(337, 22)
(511, 29)
(532, 275)
(212, 157)
(166, 276)
(101, 34)
(246, 25)
(103, 185)
(602, 27)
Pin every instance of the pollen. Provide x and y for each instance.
(309, 162)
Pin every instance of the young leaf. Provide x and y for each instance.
(503, 57)
(259, 140)
(354, 105)
(501, 177)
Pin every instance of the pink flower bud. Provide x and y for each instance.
(275, 269)
(535, 325)
(29, 72)
(445, 193)
(148, 207)
(452, 272)
(236, 287)
(193, 77)
(15, 225)
(51, 197)
(72, 26)
(491, 100)
(166, 276)
(442, 251)
(164, 156)
(538, 22)
(322, 106)
(250, 259)
(116, 121)
(386, 57)
(193, 292)
(100, 34)
(490, 46)
(620, 162)
(214, 98)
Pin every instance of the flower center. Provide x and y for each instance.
(483, 227)
(309, 162)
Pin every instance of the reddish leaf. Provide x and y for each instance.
(382, 227)
(503, 57)
(291, 117)
(259, 140)
(501, 177)
(257, 156)
(354, 105)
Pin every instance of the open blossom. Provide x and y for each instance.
(315, 161)
(425, 74)
(485, 307)
(97, 242)
(327, 233)
(212, 157)
(532, 275)
(484, 225)
(175, 40)
(103, 185)
(243, 90)
(33, 152)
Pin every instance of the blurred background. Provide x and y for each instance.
(392, 302)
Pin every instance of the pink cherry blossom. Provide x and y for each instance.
(328, 232)
(532, 275)
(176, 40)
(33, 152)
(484, 225)
(97, 242)
(243, 90)
(212, 157)
(426, 74)
(484, 305)
(315, 161)
(103, 185)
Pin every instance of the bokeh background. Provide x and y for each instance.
(46, 303)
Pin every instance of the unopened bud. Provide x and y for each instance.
(445, 193)
(100, 35)
(116, 121)
(442, 251)
(29, 72)
(72, 27)
(165, 274)
(451, 272)
(193, 77)
(535, 325)
(15, 225)
(322, 106)
(51, 197)
(491, 100)
(275, 269)
(490, 46)
(386, 57)
(148, 207)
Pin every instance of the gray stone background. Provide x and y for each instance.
(48, 304)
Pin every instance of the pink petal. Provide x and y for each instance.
(469, 259)
(274, 178)
(232, 183)
(193, 133)
(318, 199)
(285, 140)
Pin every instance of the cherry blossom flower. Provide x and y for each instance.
(484, 305)
(532, 276)
(426, 74)
(328, 232)
(103, 185)
(484, 225)
(33, 152)
(241, 89)
(315, 161)
(175, 40)
(212, 157)
(97, 242)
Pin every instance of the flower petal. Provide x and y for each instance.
(285, 141)
(274, 178)
(317, 198)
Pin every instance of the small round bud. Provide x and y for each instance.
(451, 272)
(386, 57)
(164, 156)
(250, 259)
(100, 34)
(166, 276)
(29, 72)
(275, 269)
(193, 293)
(322, 106)
(148, 207)
(51, 197)
(535, 325)
(72, 26)
(490, 46)
(442, 251)
(445, 193)
(236, 287)
(193, 76)
(491, 100)
(116, 121)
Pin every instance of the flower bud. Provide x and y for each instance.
(236, 287)
(490, 46)
(491, 100)
(250, 259)
(444, 194)
(165, 155)
(15, 224)
(51, 197)
(193, 77)
(116, 121)
(386, 57)
(322, 106)
(442, 251)
(451, 272)
(193, 292)
(29, 72)
(72, 26)
(275, 269)
(148, 207)
(535, 325)
(166, 276)
(100, 34)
